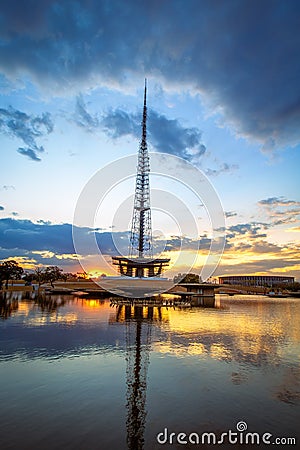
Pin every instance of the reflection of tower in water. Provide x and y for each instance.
(138, 321)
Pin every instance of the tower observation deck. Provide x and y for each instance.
(140, 262)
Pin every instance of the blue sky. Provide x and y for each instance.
(223, 93)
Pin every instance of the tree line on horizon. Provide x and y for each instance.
(11, 270)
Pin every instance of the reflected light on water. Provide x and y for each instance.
(88, 373)
(69, 319)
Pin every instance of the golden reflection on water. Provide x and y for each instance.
(248, 330)
(68, 318)
(243, 328)
(24, 308)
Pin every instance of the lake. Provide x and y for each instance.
(87, 374)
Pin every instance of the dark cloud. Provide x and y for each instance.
(37, 240)
(51, 244)
(169, 136)
(26, 235)
(251, 230)
(7, 187)
(165, 135)
(27, 128)
(45, 242)
(119, 123)
(242, 56)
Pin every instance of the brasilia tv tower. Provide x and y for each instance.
(141, 262)
(141, 230)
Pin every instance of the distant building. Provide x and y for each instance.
(256, 280)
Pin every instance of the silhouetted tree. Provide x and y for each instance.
(53, 273)
(10, 270)
(187, 278)
(39, 275)
(70, 276)
(28, 277)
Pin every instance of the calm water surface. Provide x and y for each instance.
(82, 374)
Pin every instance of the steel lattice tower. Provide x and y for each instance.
(140, 262)
(141, 229)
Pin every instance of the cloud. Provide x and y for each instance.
(277, 201)
(82, 117)
(281, 210)
(8, 187)
(251, 229)
(30, 153)
(249, 250)
(263, 246)
(169, 136)
(119, 123)
(242, 57)
(45, 243)
(26, 128)
(26, 235)
(2, 208)
(52, 244)
(229, 214)
(224, 168)
(165, 135)
(176, 243)
(44, 236)
(274, 266)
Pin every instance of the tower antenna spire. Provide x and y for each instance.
(141, 229)
(140, 262)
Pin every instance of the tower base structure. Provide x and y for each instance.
(140, 267)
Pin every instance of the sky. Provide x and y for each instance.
(222, 94)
